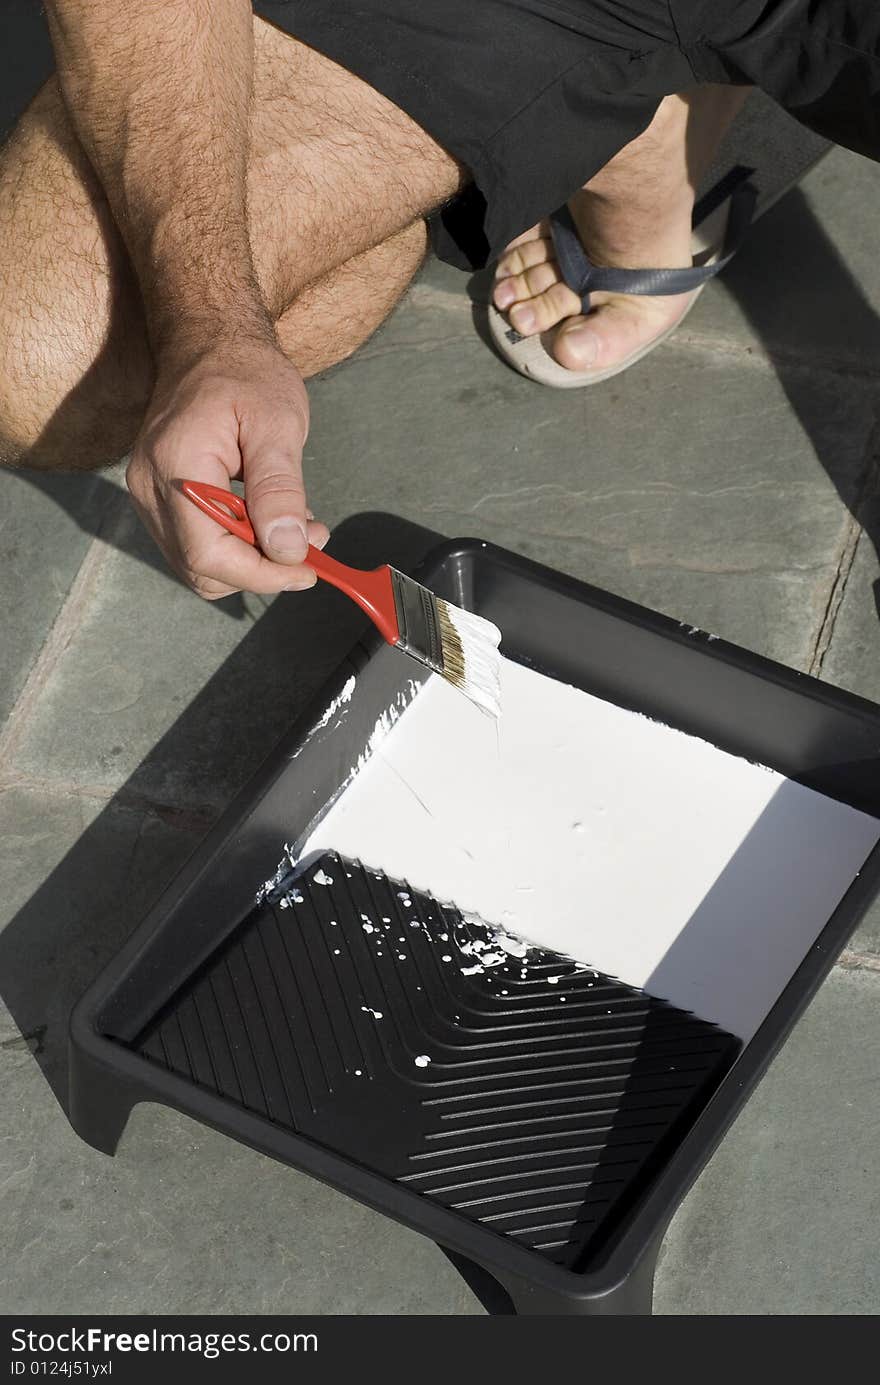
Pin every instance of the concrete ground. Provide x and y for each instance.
(729, 480)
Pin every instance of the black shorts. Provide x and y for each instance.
(535, 96)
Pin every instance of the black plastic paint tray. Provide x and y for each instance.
(561, 1178)
(532, 1096)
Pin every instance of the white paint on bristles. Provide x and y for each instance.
(640, 851)
(479, 640)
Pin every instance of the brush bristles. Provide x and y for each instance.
(471, 661)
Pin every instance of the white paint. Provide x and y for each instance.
(338, 704)
(287, 861)
(479, 640)
(638, 850)
(321, 877)
(293, 896)
(422, 1060)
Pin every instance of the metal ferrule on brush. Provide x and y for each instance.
(417, 621)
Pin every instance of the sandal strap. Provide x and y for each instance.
(584, 278)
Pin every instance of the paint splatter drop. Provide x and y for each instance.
(293, 896)
(321, 877)
(422, 1061)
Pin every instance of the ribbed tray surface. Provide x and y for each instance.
(527, 1095)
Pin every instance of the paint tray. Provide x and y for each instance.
(546, 1141)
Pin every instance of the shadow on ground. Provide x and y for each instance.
(78, 918)
(805, 307)
(808, 313)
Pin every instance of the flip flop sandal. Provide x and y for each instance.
(721, 219)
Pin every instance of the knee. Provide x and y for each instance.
(42, 424)
(67, 401)
(62, 443)
(20, 424)
(21, 449)
(63, 372)
(47, 423)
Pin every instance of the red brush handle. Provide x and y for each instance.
(372, 591)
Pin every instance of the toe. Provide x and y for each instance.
(519, 288)
(545, 309)
(576, 345)
(518, 258)
(611, 333)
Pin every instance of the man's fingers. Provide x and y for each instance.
(242, 414)
(318, 533)
(209, 555)
(211, 561)
(276, 498)
(227, 570)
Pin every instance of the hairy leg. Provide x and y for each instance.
(330, 318)
(339, 182)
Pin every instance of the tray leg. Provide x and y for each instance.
(99, 1103)
(493, 1296)
(633, 1297)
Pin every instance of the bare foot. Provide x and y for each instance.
(635, 214)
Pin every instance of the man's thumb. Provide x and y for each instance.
(276, 502)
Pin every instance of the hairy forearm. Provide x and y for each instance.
(159, 92)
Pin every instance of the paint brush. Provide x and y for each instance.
(460, 646)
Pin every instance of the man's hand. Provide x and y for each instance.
(240, 411)
(159, 95)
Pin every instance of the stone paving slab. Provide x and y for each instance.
(853, 657)
(144, 650)
(76, 876)
(690, 483)
(183, 1220)
(46, 526)
(805, 284)
(784, 1219)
